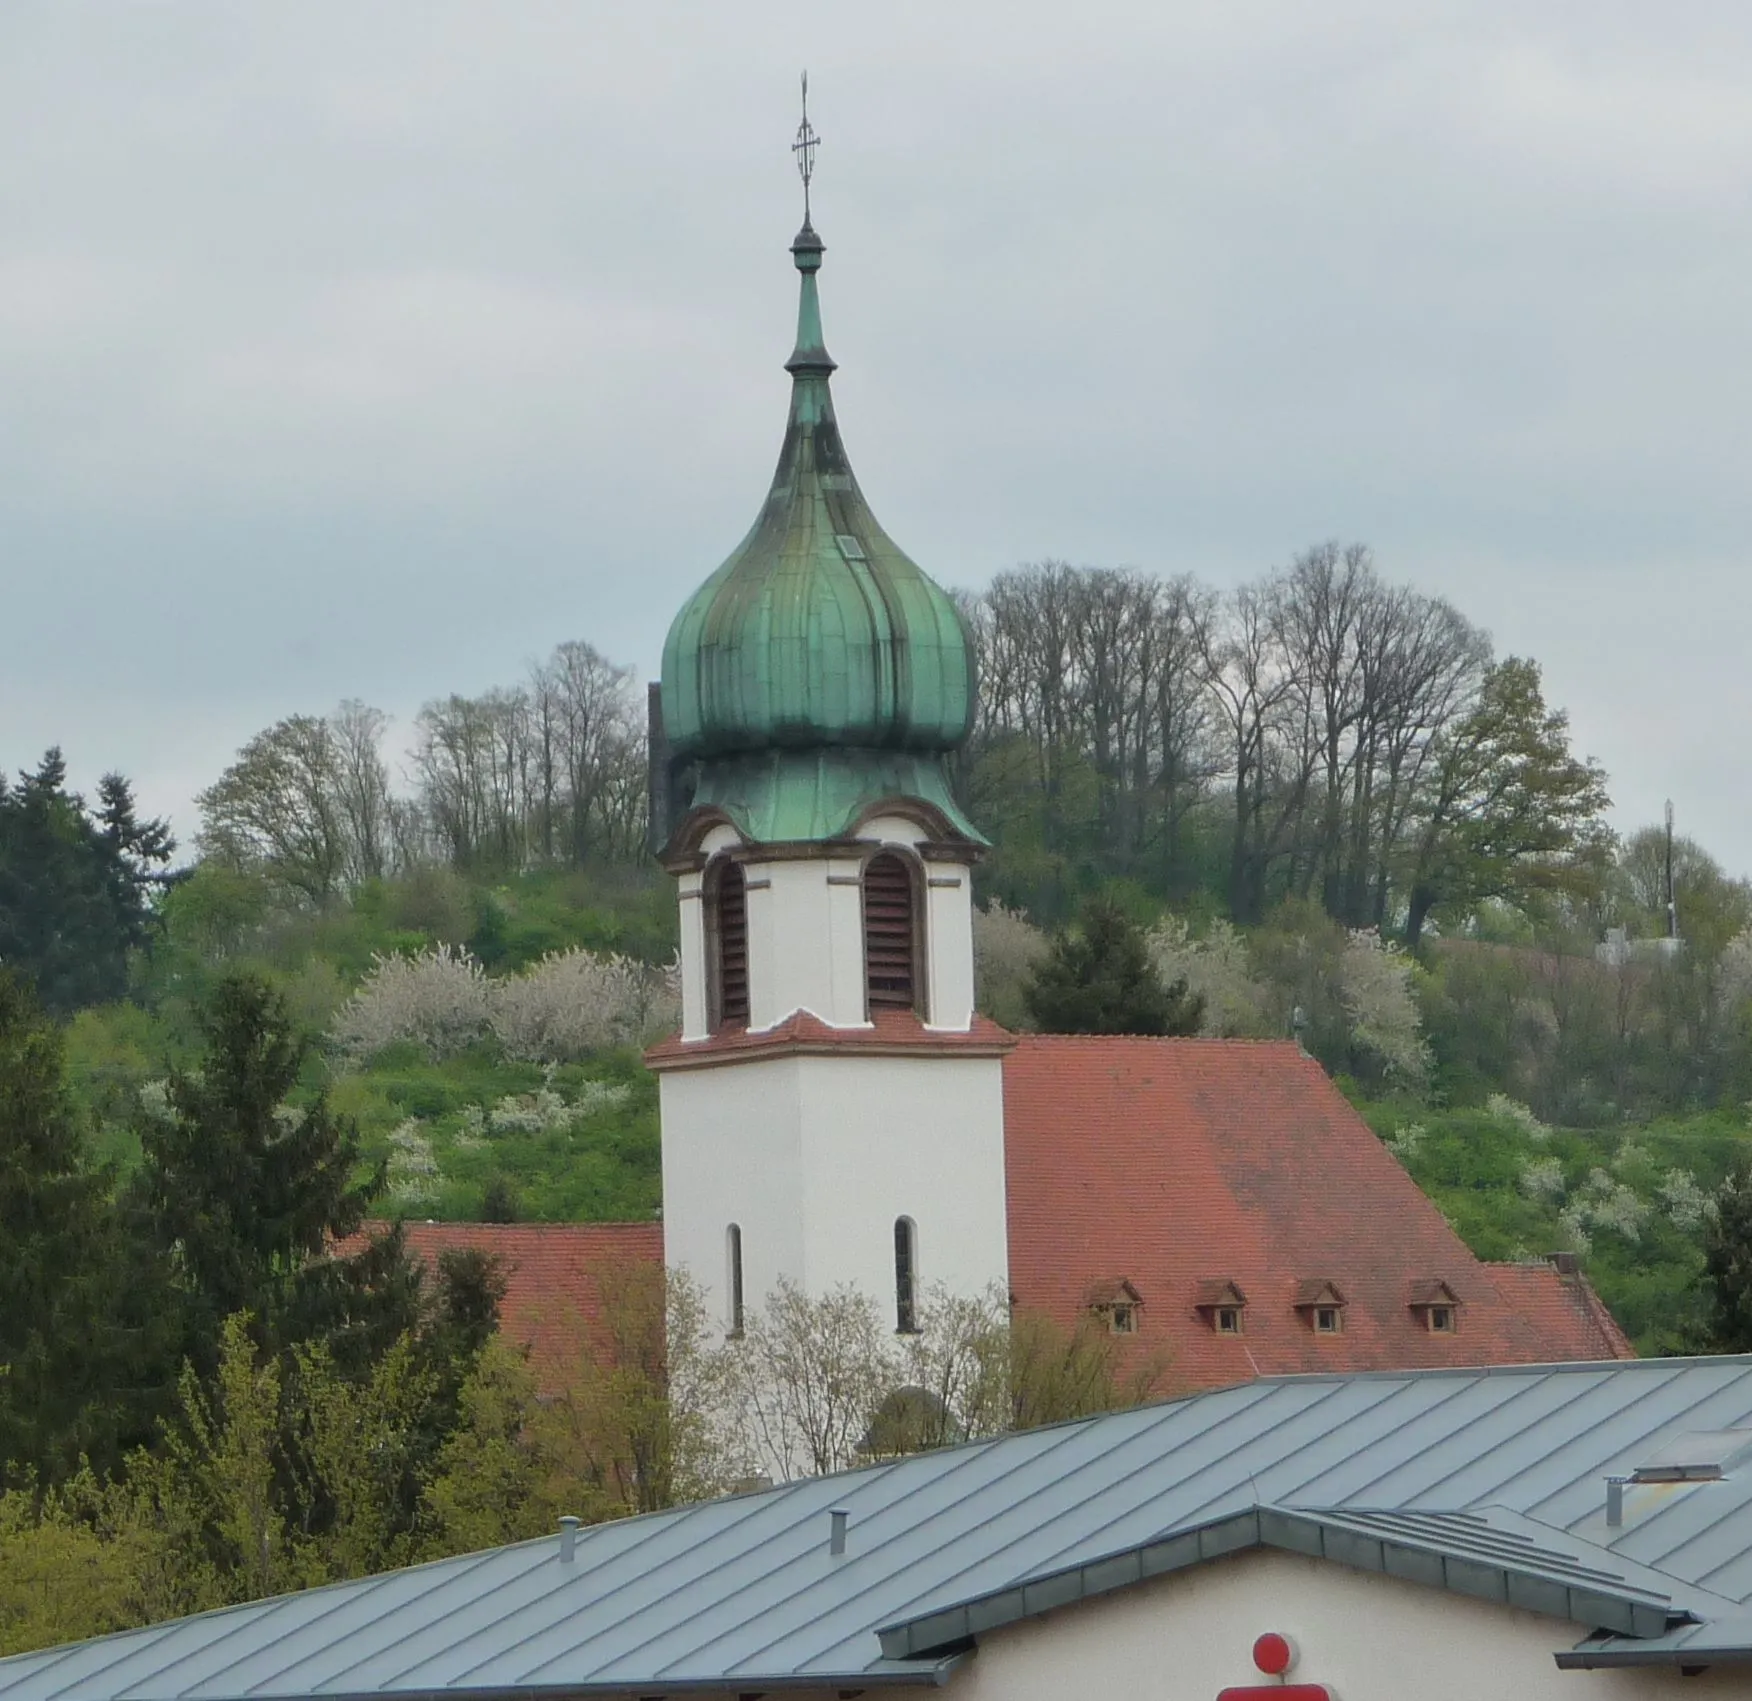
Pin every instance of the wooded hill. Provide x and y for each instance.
(1319, 805)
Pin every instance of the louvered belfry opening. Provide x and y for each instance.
(890, 935)
(730, 919)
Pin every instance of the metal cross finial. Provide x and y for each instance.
(804, 148)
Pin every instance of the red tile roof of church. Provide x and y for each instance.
(1177, 1168)
(1178, 1165)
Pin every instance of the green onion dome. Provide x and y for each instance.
(818, 635)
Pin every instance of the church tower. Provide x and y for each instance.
(833, 1107)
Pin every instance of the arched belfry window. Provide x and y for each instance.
(906, 1276)
(727, 916)
(891, 967)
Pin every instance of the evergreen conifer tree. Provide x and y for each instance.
(1098, 979)
(246, 1197)
(58, 1261)
(1727, 1253)
(75, 888)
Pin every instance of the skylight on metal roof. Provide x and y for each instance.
(1701, 1456)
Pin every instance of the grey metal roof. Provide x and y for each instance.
(1490, 1482)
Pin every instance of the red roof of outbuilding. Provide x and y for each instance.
(1180, 1164)
(553, 1274)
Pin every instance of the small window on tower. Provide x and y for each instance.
(906, 1276)
(849, 546)
(733, 1280)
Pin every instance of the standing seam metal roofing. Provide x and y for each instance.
(1484, 1481)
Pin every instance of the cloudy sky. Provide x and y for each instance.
(371, 350)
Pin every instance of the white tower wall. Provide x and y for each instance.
(814, 1155)
(813, 1146)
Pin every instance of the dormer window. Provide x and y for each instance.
(1119, 1305)
(1322, 1304)
(1222, 1305)
(727, 943)
(891, 978)
(1436, 1306)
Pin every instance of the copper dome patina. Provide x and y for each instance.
(818, 670)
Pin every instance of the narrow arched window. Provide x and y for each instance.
(728, 915)
(890, 935)
(733, 1278)
(906, 1276)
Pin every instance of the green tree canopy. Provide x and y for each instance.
(1727, 1262)
(58, 1260)
(1098, 979)
(245, 1196)
(1508, 811)
(76, 885)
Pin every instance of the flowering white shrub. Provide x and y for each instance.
(573, 1003)
(155, 1100)
(1407, 1141)
(1734, 971)
(413, 1168)
(1006, 948)
(1542, 1179)
(568, 1005)
(1217, 969)
(1609, 1204)
(1688, 1205)
(1375, 988)
(437, 998)
(1506, 1109)
(1573, 1219)
(530, 1113)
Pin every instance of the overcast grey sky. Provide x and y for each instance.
(371, 350)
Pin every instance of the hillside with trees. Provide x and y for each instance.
(408, 973)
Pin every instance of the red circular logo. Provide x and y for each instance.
(1274, 1654)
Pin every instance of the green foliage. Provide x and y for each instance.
(76, 885)
(1634, 1203)
(1728, 1263)
(60, 1351)
(60, 1579)
(1099, 980)
(1508, 812)
(243, 1193)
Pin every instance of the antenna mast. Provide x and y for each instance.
(1672, 895)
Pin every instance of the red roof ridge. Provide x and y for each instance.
(892, 1031)
(1212, 1040)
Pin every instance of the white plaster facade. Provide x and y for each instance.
(814, 1157)
(1366, 1637)
(814, 1154)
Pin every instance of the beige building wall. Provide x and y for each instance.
(1188, 1636)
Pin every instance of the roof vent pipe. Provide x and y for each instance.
(1615, 1502)
(568, 1538)
(836, 1532)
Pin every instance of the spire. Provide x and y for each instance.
(818, 670)
(810, 357)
